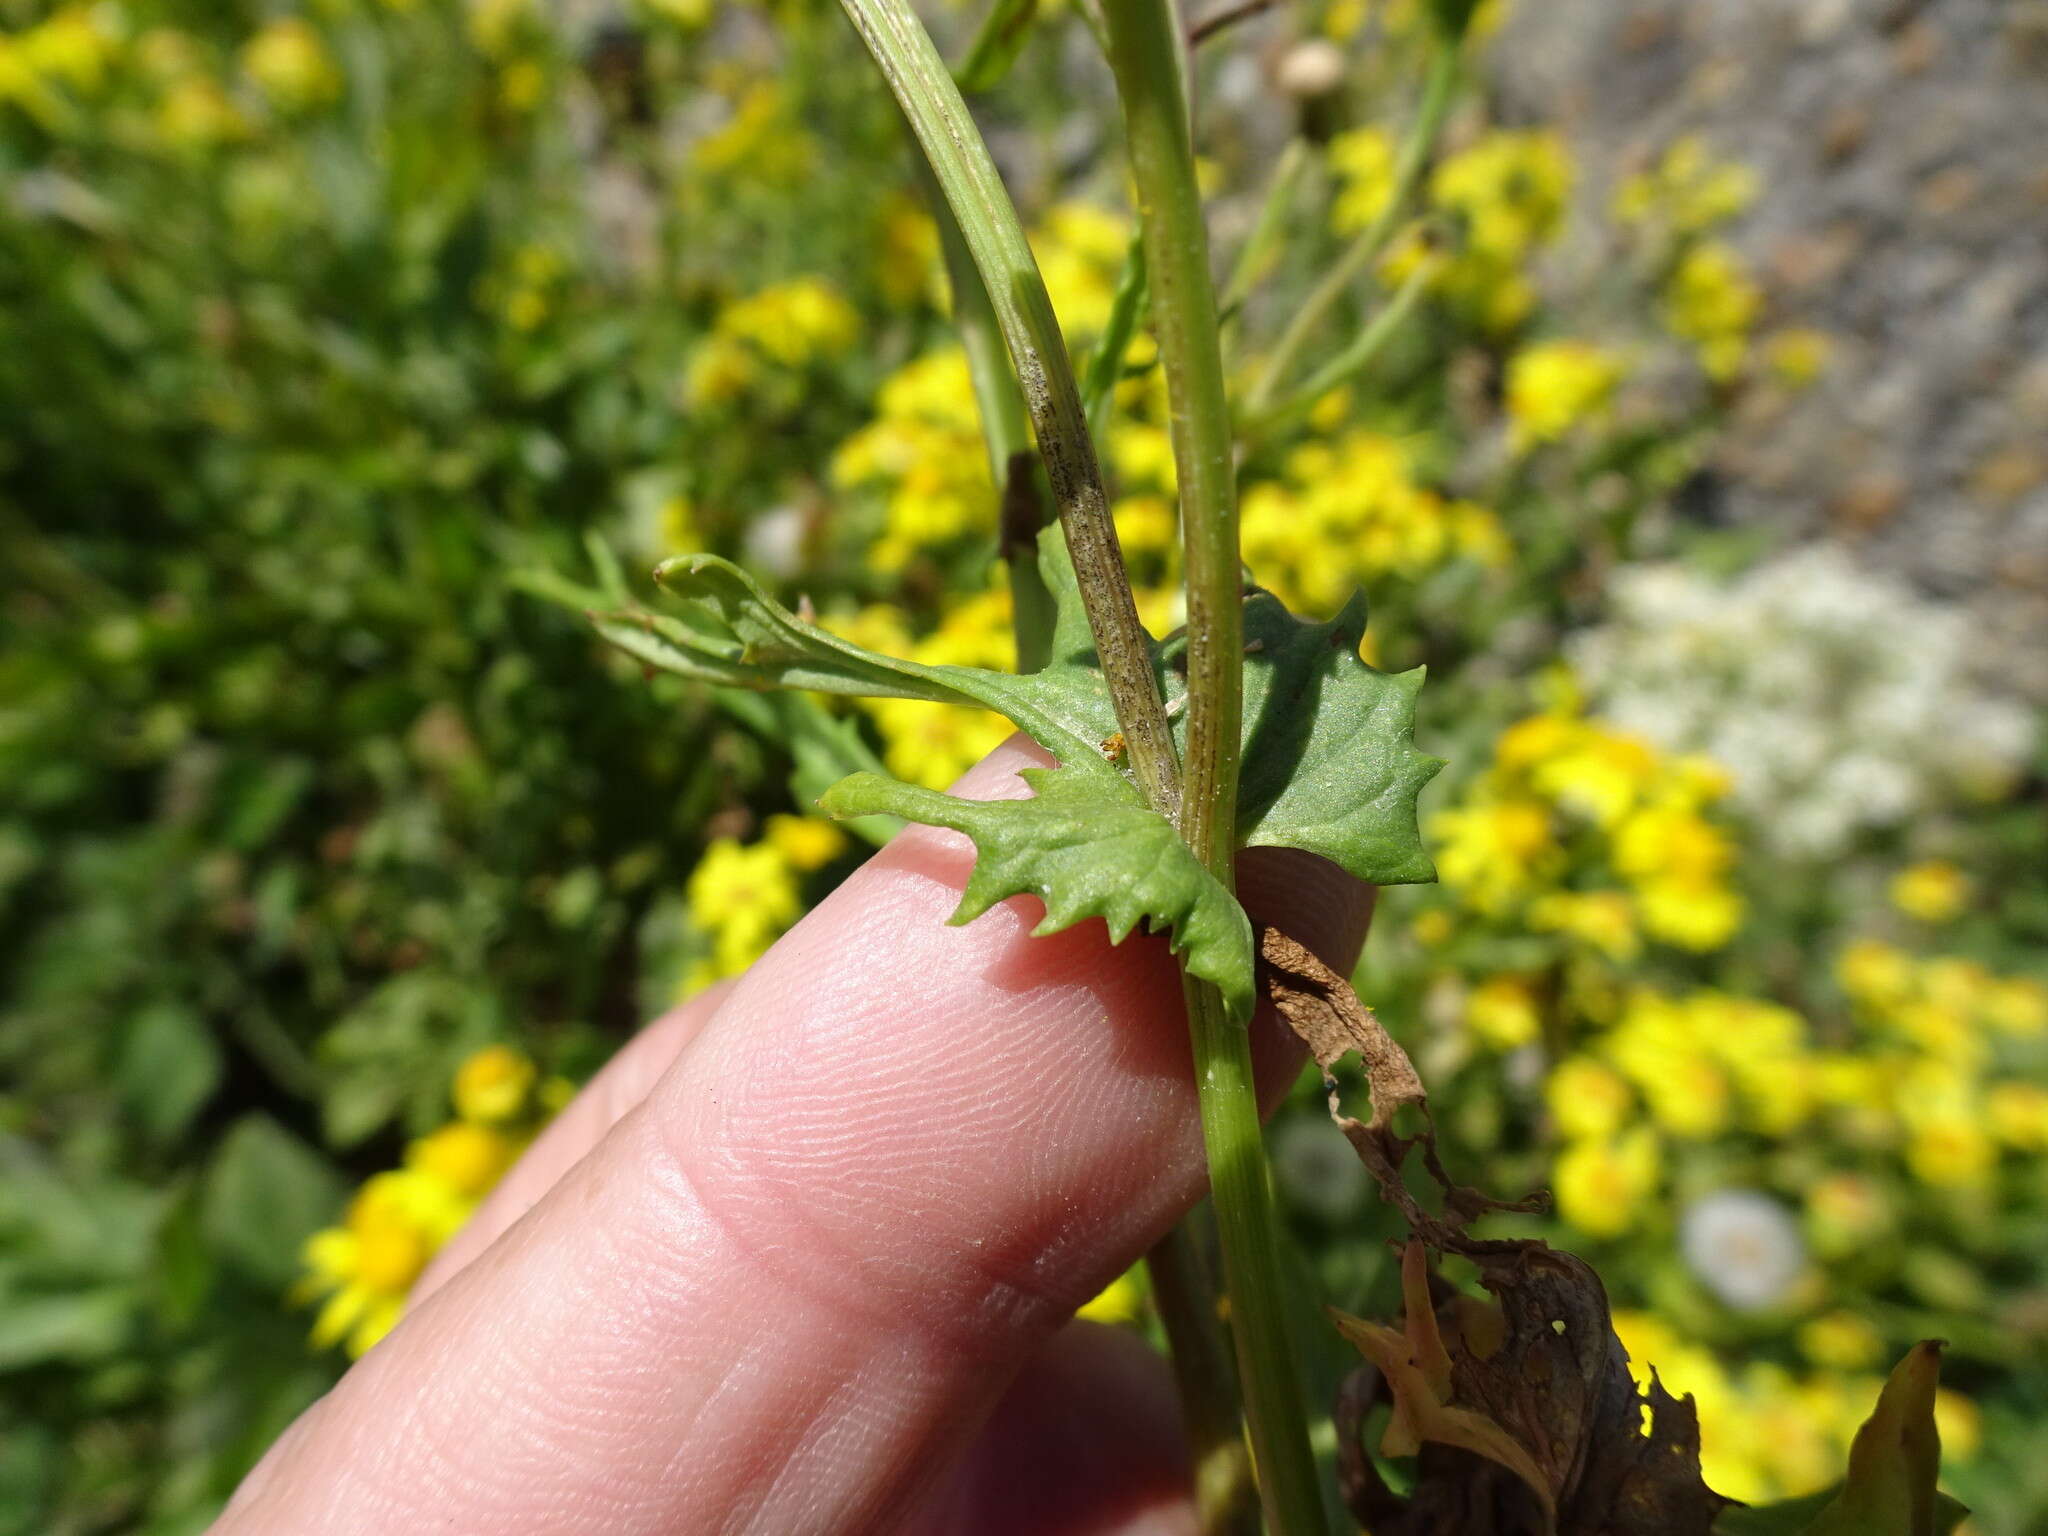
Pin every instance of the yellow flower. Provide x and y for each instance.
(1671, 843)
(365, 1266)
(1658, 1047)
(1845, 1212)
(291, 66)
(196, 114)
(1502, 1012)
(1934, 891)
(792, 322)
(807, 842)
(1699, 915)
(1600, 772)
(492, 1086)
(1874, 974)
(1555, 386)
(1121, 1301)
(467, 1157)
(1602, 1183)
(1951, 1152)
(1080, 249)
(1711, 302)
(1688, 189)
(1588, 1099)
(1492, 853)
(1797, 355)
(687, 14)
(1842, 1340)
(761, 140)
(1363, 159)
(1604, 920)
(1432, 927)
(2016, 1006)
(1960, 1424)
(743, 896)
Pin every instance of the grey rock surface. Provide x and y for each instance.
(1903, 150)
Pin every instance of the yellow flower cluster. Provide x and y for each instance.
(1920, 1079)
(742, 897)
(1506, 193)
(1363, 160)
(783, 327)
(1555, 387)
(1929, 1075)
(291, 65)
(363, 1269)
(1687, 191)
(762, 141)
(924, 450)
(1349, 510)
(1699, 1064)
(68, 55)
(933, 744)
(1934, 891)
(1080, 250)
(1584, 830)
(1769, 1433)
(1711, 301)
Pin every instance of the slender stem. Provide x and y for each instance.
(1359, 355)
(1106, 366)
(996, 45)
(1146, 56)
(1438, 92)
(1226, 1492)
(924, 88)
(1266, 229)
(1005, 431)
(1221, 21)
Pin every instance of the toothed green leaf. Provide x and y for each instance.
(1329, 765)
(1086, 846)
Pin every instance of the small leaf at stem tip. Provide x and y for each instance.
(1086, 846)
(1894, 1461)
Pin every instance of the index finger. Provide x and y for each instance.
(783, 1288)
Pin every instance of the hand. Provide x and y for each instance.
(803, 1257)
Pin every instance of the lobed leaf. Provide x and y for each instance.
(1329, 758)
(1086, 846)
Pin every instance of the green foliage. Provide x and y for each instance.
(1087, 846)
(1331, 766)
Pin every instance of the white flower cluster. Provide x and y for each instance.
(1839, 699)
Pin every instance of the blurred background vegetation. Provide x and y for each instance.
(329, 855)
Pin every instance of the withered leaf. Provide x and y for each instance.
(1548, 1377)
(1320, 1007)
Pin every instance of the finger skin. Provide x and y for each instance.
(603, 1102)
(1086, 1442)
(797, 1276)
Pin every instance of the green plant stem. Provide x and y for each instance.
(1005, 430)
(1439, 90)
(1360, 354)
(1106, 366)
(924, 88)
(1267, 228)
(997, 44)
(1147, 59)
(1226, 1492)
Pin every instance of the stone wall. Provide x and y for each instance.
(1903, 146)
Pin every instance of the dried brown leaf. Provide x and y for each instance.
(1545, 1374)
(1321, 1008)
